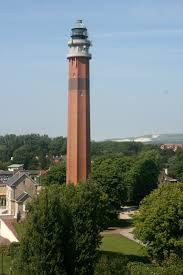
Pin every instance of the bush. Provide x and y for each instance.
(109, 265)
(167, 268)
(143, 269)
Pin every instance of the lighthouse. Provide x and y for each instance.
(78, 136)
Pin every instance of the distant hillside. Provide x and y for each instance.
(154, 139)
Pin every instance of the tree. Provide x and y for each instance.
(3, 165)
(34, 151)
(24, 155)
(4, 153)
(175, 165)
(108, 172)
(57, 146)
(56, 175)
(113, 147)
(142, 178)
(29, 148)
(62, 231)
(159, 221)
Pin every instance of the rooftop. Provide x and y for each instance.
(12, 181)
(15, 165)
(2, 172)
(22, 197)
(79, 24)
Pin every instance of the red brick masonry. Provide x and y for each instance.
(78, 138)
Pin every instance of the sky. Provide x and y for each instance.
(136, 68)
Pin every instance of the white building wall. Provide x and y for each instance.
(8, 199)
(6, 233)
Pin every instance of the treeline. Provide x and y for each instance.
(34, 151)
(125, 179)
(37, 152)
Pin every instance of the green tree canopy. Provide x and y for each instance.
(159, 221)
(34, 151)
(113, 147)
(108, 172)
(56, 175)
(24, 155)
(62, 231)
(142, 178)
(175, 165)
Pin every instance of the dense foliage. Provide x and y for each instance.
(62, 231)
(124, 265)
(159, 222)
(108, 173)
(167, 268)
(175, 165)
(126, 179)
(108, 147)
(112, 263)
(142, 177)
(34, 151)
(55, 175)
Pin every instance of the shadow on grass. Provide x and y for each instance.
(121, 223)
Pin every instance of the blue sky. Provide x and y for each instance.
(136, 69)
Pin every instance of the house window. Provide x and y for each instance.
(2, 200)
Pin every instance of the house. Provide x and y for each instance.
(58, 159)
(5, 175)
(173, 147)
(33, 174)
(20, 189)
(15, 167)
(2, 195)
(165, 178)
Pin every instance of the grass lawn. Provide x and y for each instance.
(121, 244)
(6, 264)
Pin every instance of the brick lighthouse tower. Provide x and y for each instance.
(78, 138)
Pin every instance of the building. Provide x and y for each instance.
(172, 147)
(34, 174)
(5, 175)
(165, 178)
(78, 138)
(2, 195)
(15, 167)
(6, 180)
(20, 189)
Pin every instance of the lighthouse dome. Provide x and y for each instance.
(79, 31)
